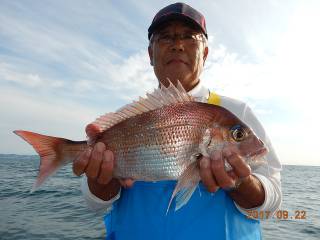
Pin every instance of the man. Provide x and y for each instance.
(178, 50)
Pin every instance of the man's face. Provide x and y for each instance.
(178, 59)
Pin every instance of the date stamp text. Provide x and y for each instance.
(280, 214)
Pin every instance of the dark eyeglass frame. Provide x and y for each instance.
(168, 39)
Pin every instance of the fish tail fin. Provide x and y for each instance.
(186, 185)
(51, 151)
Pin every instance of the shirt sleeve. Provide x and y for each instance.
(93, 202)
(273, 194)
(269, 173)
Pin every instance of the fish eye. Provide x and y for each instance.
(238, 133)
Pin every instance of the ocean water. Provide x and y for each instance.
(57, 210)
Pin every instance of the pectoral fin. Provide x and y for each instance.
(186, 185)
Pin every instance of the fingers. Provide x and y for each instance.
(93, 167)
(239, 166)
(219, 172)
(214, 175)
(206, 175)
(92, 130)
(80, 164)
(106, 169)
(98, 164)
(233, 175)
(126, 182)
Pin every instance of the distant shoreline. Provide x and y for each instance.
(10, 155)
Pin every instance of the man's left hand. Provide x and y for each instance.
(214, 174)
(248, 191)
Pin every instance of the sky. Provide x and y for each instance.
(64, 63)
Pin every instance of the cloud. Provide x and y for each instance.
(54, 116)
(61, 55)
(70, 62)
(281, 87)
(13, 74)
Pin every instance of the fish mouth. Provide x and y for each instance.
(257, 154)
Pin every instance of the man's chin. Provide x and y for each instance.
(175, 78)
(180, 75)
(186, 83)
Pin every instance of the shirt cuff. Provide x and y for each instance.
(272, 200)
(94, 203)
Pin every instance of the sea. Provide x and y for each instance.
(58, 211)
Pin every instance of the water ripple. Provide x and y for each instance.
(57, 210)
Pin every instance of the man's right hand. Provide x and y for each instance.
(97, 163)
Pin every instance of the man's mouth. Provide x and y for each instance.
(176, 60)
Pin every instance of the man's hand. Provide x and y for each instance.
(248, 194)
(98, 163)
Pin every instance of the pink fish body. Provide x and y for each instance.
(157, 138)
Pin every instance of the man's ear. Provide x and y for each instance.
(205, 54)
(150, 55)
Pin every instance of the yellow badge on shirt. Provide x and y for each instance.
(214, 99)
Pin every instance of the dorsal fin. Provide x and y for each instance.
(158, 98)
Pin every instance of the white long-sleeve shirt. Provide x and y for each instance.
(268, 174)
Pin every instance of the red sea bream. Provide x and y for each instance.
(160, 137)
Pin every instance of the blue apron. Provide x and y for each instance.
(140, 213)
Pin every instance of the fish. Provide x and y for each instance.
(159, 137)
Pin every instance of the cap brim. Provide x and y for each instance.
(162, 21)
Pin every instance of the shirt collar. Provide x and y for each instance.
(200, 92)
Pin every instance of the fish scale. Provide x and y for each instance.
(163, 147)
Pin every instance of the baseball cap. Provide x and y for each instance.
(178, 11)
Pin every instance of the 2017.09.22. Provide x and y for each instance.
(280, 214)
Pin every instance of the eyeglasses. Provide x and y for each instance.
(186, 38)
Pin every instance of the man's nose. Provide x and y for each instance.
(177, 44)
